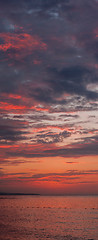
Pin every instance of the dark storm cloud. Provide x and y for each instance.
(72, 80)
(42, 95)
(57, 5)
(44, 4)
(6, 80)
(75, 19)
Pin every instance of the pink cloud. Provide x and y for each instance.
(22, 44)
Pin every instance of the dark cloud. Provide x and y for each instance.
(72, 80)
(85, 150)
(71, 162)
(43, 4)
(75, 151)
(41, 117)
(42, 95)
(12, 130)
(7, 85)
(9, 134)
(51, 137)
(69, 116)
(91, 139)
(62, 42)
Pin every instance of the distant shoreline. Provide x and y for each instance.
(38, 194)
(20, 194)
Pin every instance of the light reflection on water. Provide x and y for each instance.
(48, 217)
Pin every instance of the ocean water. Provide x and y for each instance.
(48, 217)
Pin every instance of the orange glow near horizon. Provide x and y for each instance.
(53, 174)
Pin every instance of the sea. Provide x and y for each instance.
(48, 217)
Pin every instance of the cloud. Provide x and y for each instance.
(79, 151)
(68, 177)
(72, 80)
(51, 137)
(9, 134)
(12, 130)
(40, 150)
(20, 45)
(57, 48)
(63, 177)
(71, 162)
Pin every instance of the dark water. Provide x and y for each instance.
(46, 217)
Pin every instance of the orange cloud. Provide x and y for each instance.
(7, 106)
(14, 96)
(54, 127)
(40, 109)
(23, 44)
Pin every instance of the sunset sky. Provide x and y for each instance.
(49, 96)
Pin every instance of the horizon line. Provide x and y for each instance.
(38, 194)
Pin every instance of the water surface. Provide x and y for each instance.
(48, 217)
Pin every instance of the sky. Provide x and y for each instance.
(49, 96)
